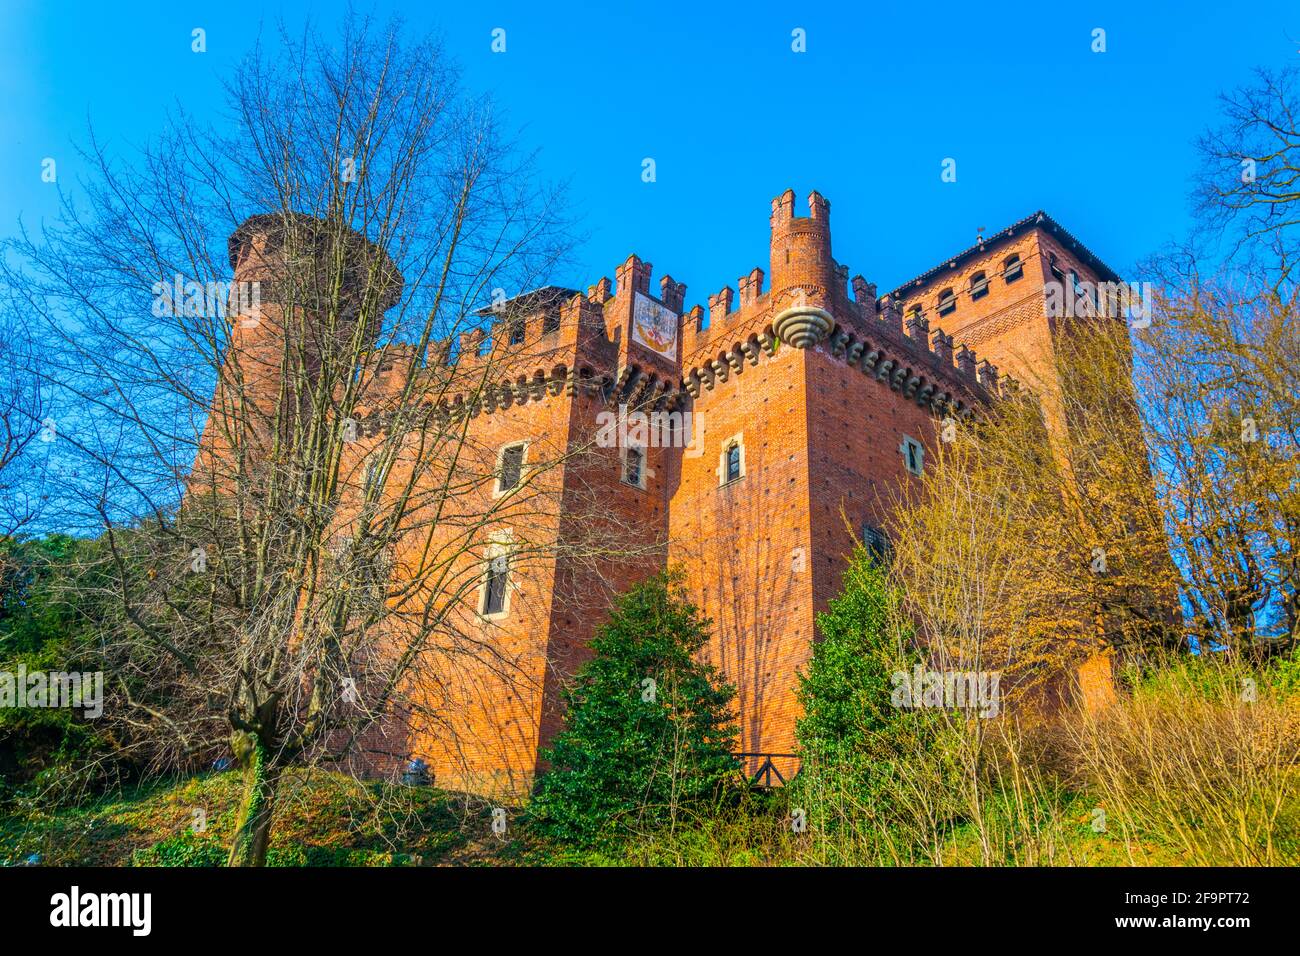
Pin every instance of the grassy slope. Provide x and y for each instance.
(323, 819)
(327, 819)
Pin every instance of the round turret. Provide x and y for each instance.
(802, 271)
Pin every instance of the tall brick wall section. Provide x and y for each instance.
(740, 542)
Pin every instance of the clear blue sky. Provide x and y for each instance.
(730, 114)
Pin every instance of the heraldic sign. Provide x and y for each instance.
(654, 326)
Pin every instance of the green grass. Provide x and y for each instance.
(326, 819)
(322, 819)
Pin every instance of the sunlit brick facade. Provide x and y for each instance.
(810, 397)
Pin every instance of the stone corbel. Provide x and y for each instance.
(839, 342)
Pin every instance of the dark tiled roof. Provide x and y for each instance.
(1040, 220)
(542, 298)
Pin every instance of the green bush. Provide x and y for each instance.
(53, 613)
(649, 733)
(859, 753)
(185, 849)
(190, 849)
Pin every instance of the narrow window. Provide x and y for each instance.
(1012, 268)
(876, 544)
(516, 331)
(633, 460)
(512, 467)
(494, 588)
(733, 462)
(947, 302)
(913, 455)
(979, 286)
(550, 323)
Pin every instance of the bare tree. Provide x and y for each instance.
(1218, 376)
(1248, 192)
(23, 408)
(282, 459)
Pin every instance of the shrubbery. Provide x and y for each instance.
(649, 733)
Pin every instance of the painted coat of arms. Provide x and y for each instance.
(654, 326)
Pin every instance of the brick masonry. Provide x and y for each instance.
(818, 381)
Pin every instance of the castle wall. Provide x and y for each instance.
(746, 545)
(818, 388)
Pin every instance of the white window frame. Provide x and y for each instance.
(497, 490)
(641, 476)
(910, 442)
(735, 441)
(501, 546)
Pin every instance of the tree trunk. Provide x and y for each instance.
(253, 825)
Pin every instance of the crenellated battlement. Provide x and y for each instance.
(809, 304)
(555, 340)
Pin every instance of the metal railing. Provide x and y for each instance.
(767, 769)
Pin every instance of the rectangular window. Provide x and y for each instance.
(512, 467)
(516, 332)
(494, 589)
(633, 462)
(733, 463)
(550, 323)
(876, 543)
(913, 455)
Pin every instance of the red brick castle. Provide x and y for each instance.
(805, 397)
